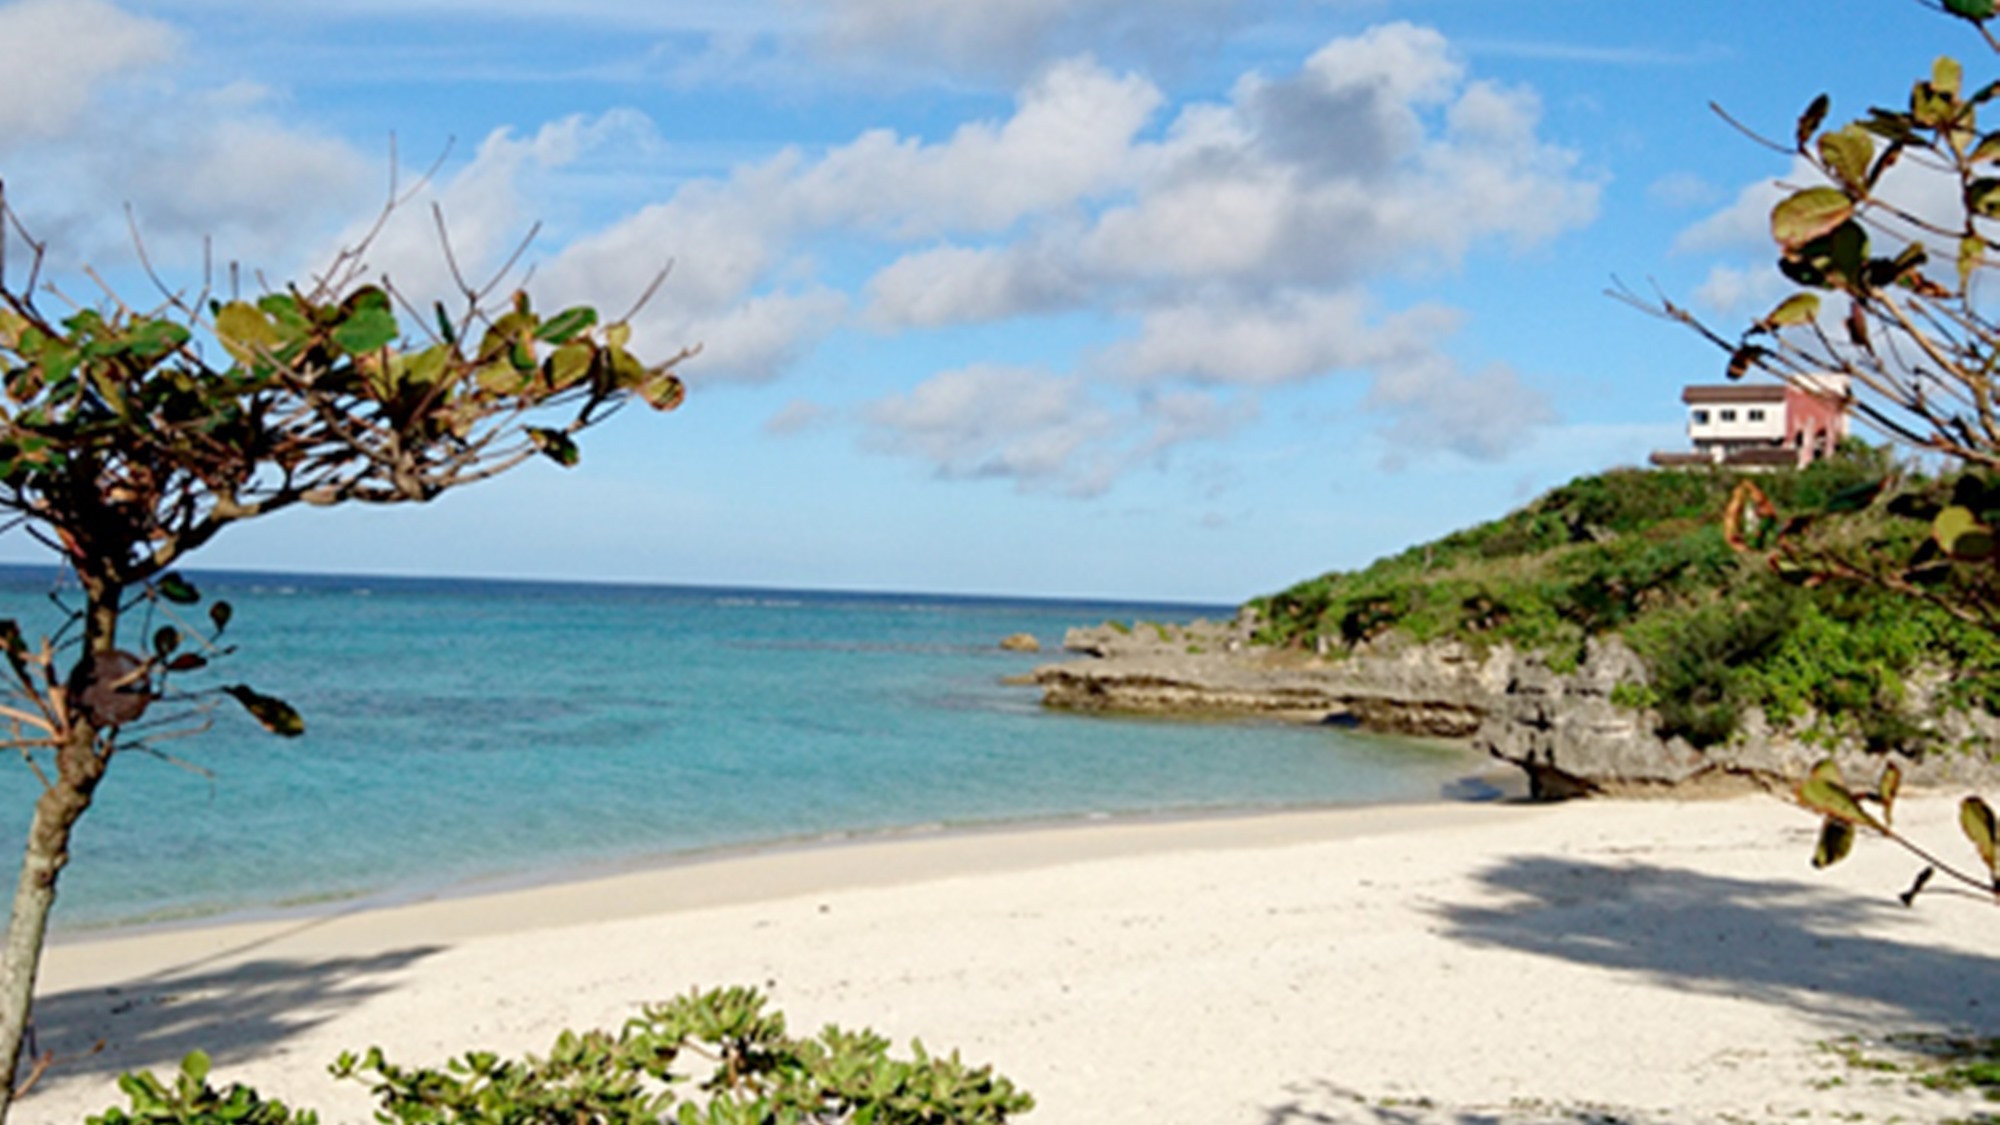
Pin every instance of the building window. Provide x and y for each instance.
(1729, 416)
(1701, 417)
(1756, 416)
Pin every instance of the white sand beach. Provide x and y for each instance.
(1656, 960)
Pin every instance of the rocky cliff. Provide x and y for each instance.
(1205, 668)
(1562, 728)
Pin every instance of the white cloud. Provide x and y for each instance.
(755, 341)
(1231, 246)
(489, 206)
(1036, 429)
(98, 111)
(57, 55)
(1434, 406)
(1375, 157)
(1741, 291)
(1745, 224)
(1288, 337)
(957, 285)
(1069, 139)
(1042, 431)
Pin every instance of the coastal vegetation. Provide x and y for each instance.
(751, 1071)
(130, 438)
(1644, 556)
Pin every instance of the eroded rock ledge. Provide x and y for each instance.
(1561, 728)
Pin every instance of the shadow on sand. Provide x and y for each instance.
(229, 1012)
(1784, 943)
(1794, 944)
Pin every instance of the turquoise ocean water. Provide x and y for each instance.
(463, 732)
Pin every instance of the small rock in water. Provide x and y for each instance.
(1021, 642)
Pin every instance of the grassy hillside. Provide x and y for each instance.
(1641, 554)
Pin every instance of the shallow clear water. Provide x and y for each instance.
(460, 731)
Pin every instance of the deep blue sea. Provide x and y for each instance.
(462, 732)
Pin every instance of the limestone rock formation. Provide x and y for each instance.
(1561, 727)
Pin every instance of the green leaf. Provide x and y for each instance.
(1962, 536)
(246, 333)
(1987, 150)
(663, 391)
(447, 331)
(368, 329)
(1977, 11)
(1971, 255)
(1849, 153)
(555, 445)
(568, 365)
(567, 325)
(165, 640)
(273, 714)
(176, 589)
(1824, 793)
(1976, 817)
(1797, 309)
(219, 614)
(1809, 214)
(1947, 76)
(1836, 840)
(196, 1065)
(151, 339)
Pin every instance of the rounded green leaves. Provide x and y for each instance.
(1809, 214)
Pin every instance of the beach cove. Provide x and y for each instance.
(1645, 961)
(463, 734)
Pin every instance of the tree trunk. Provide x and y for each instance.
(56, 814)
(80, 765)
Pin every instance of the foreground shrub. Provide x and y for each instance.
(755, 1074)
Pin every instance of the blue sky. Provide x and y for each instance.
(1179, 299)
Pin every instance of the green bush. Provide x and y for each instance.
(757, 1074)
(1641, 555)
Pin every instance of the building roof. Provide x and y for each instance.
(1733, 392)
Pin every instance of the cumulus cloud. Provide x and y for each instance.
(1736, 291)
(1289, 337)
(1043, 432)
(1745, 224)
(1435, 406)
(1229, 247)
(97, 111)
(59, 54)
(489, 206)
(757, 340)
(1068, 140)
(1376, 157)
(987, 421)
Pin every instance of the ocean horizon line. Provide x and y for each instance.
(419, 583)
